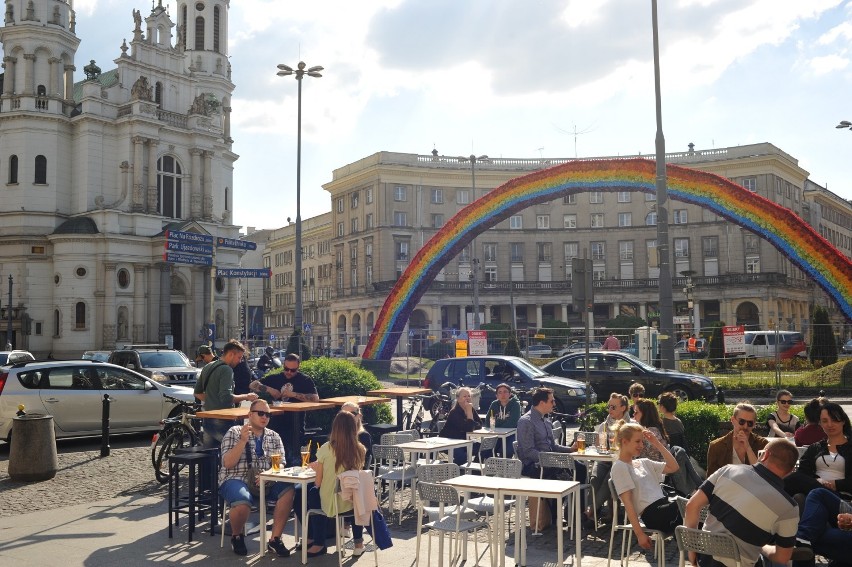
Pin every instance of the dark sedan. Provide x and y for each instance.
(515, 371)
(613, 371)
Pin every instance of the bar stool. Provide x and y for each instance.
(196, 500)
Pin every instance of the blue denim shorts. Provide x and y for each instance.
(234, 491)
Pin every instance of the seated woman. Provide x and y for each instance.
(341, 453)
(364, 436)
(637, 482)
(461, 420)
(827, 463)
(781, 422)
(811, 432)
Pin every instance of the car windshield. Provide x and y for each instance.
(528, 368)
(162, 359)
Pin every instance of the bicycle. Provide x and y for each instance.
(179, 431)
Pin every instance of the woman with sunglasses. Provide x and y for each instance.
(364, 436)
(828, 463)
(781, 422)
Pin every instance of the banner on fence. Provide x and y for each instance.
(733, 339)
(477, 343)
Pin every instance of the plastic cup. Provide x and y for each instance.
(492, 422)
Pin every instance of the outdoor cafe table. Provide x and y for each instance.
(399, 392)
(433, 445)
(359, 400)
(487, 485)
(296, 475)
(501, 432)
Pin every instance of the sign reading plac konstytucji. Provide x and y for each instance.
(243, 272)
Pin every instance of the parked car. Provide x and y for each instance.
(99, 355)
(538, 350)
(579, 347)
(614, 371)
(847, 347)
(72, 392)
(765, 344)
(13, 356)
(631, 349)
(158, 362)
(515, 371)
(682, 348)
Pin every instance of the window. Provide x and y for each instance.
(123, 278)
(751, 243)
(778, 186)
(680, 216)
(597, 220)
(56, 323)
(199, 33)
(340, 204)
(399, 193)
(516, 251)
(625, 249)
(368, 250)
(401, 247)
(462, 196)
(570, 199)
(436, 196)
(437, 220)
(750, 183)
(169, 188)
(368, 275)
(489, 251)
(40, 170)
(368, 195)
(13, 169)
(651, 219)
(216, 29)
(572, 250)
(596, 197)
(681, 246)
(369, 221)
(80, 315)
(598, 271)
(542, 221)
(353, 223)
(569, 221)
(400, 218)
(598, 250)
(650, 196)
(752, 264)
(544, 251)
(491, 273)
(353, 277)
(158, 93)
(625, 219)
(516, 222)
(464, 255)
(353, 200)
(653, 257)
(624, 196)
(710, 246)
(340, 229)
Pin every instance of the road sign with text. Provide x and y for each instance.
(243, 272)
(181, 258)
(183, 236)
(233, 243)
(188, 247)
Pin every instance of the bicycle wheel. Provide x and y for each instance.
(157, 445)
(180, 437)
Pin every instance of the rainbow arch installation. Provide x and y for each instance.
(797, 240)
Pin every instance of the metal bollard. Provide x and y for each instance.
(105, 426)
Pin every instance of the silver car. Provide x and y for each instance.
(72, 392)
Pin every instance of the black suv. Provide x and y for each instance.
(158, 362)
(517, 372)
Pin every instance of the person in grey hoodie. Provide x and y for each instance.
(506, 410)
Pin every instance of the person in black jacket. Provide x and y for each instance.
(461, 420)
(820, 465)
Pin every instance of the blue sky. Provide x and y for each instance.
(515, 79)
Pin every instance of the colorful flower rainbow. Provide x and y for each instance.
(780, 226)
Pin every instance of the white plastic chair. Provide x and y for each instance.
(500, 467)
(562, 461)
(340, 520)
(389, 465)
(475, 467)
(706, 543)
(626, 530)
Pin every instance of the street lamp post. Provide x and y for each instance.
(474, 261)
(665, 279)
(299, 72)
(9, 317)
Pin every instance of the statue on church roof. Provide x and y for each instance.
(140, 89)
(92, 71)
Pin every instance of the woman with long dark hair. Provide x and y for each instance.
(827, 463)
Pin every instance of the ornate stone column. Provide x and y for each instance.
(165, 323)
(152, 175)
(462, 319)
(195, 184)
(564, 312)
(138, 203)
(29, 73)
(55, 79)
(138, 316)
(69, 82)
(538, 320)
(108, 314)
(208, 185)
(227, 118)
(9, 80)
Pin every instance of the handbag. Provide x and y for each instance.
(382, 537)
(252, 481)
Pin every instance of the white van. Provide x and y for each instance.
(764, 344)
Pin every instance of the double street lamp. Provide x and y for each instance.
(474, 261)
(299, 72)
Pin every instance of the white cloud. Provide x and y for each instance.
(828, 64)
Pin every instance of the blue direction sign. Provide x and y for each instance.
(233, 243)
(181, 258)
(194, 237)
(188, 247)
(243, 272)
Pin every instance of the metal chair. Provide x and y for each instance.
(706, 543)
(487, 444)
(389, 465)
(415, 435)
(446, 496)
(626, 530)
(436, 473)
(500, 467)
(681, 506)
(397, 438)
(562, 461)
(340, 520)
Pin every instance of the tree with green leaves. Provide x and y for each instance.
(512, 348)
(717, 348)
(823, 344)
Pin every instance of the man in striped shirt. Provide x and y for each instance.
(749, 502)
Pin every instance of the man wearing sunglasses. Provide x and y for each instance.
(290, 385)
(253, 441)
(741, 445)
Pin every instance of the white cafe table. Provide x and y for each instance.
(431, 446)
(502, 432)
(488, 485)
(296, 475)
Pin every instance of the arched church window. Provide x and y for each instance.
(40, 170)
(158, 94)
(183, 26)
(216, 29)
(41, 91)
(199, 33)
(80, 315)
(169, 187)
(56, 323)
(13, 169)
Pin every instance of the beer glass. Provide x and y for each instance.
(306, 455)
(276, 462)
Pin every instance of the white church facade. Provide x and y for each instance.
(94, 173)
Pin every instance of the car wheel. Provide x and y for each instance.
(682, 394)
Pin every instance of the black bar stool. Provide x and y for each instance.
(200, 498)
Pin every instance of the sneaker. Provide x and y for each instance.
(359, 551)
(275, 545)
(238, 544)
(347, 532)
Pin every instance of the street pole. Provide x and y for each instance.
(665, 279)
(299, 72)
(9, 317)
(474, 260)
